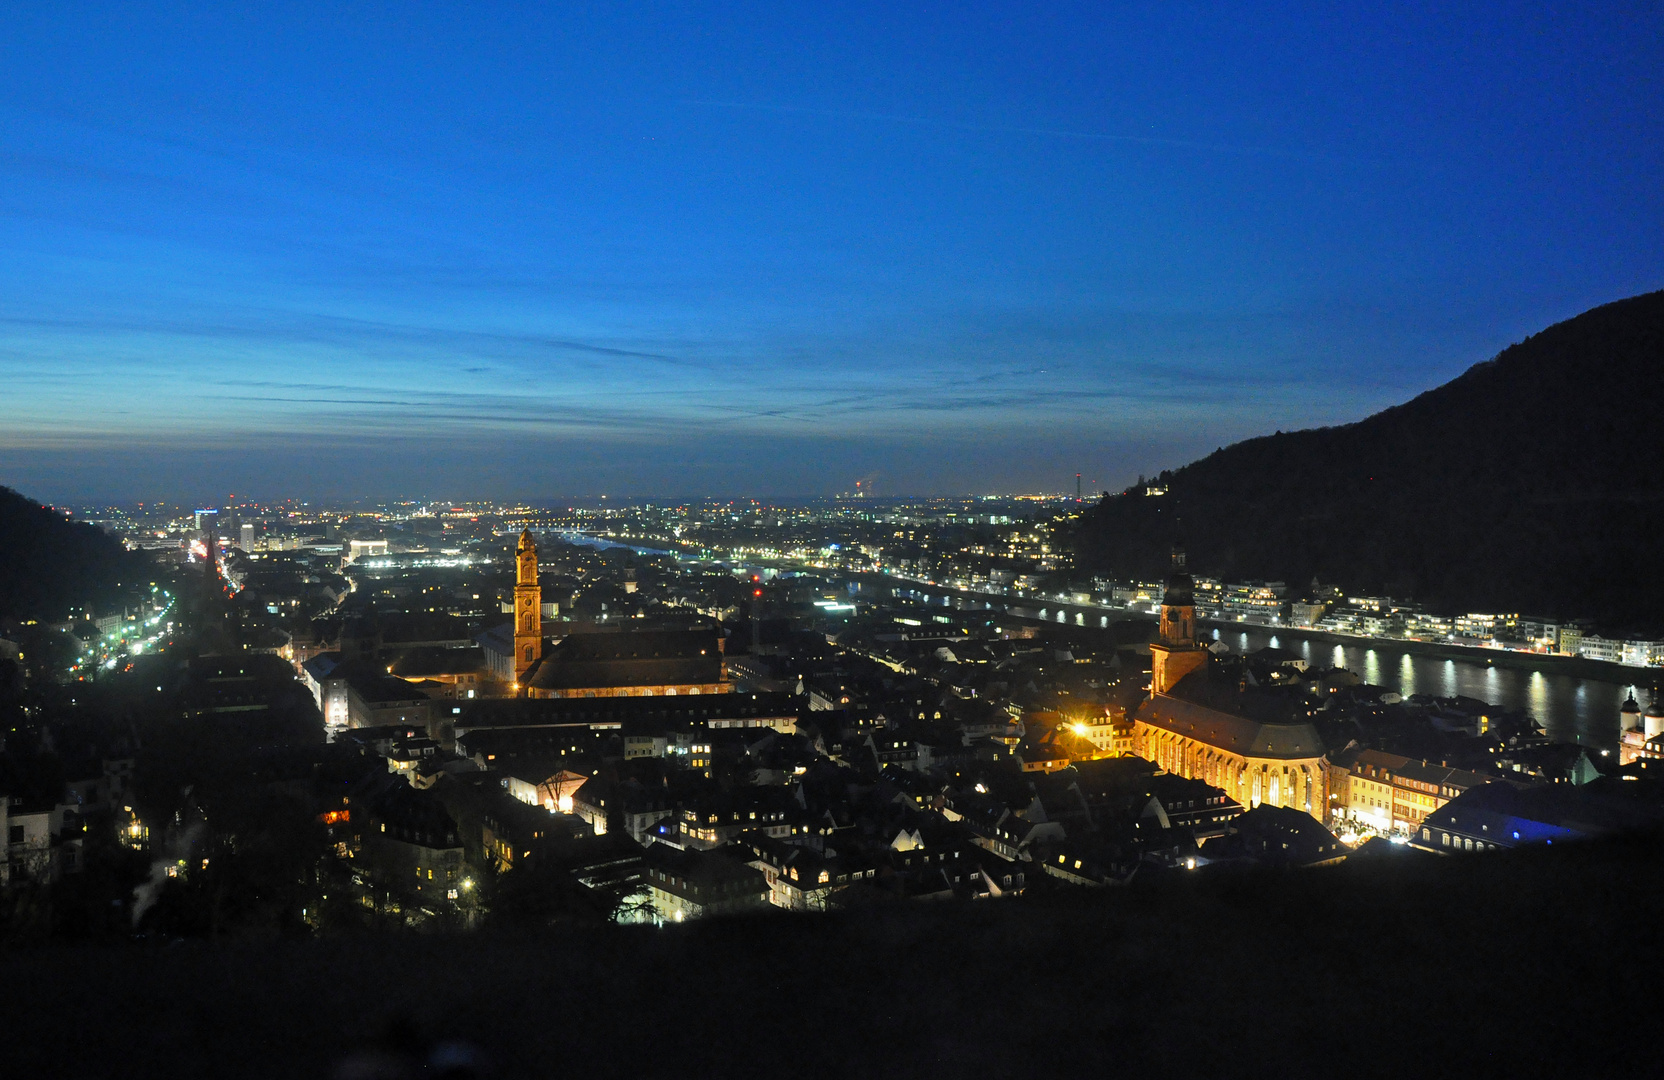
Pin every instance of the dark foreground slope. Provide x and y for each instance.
(1534, 482)
(1529, 963)
(49, 564)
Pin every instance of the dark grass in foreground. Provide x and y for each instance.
(1526, 963)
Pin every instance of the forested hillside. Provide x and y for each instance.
(49, 564)
(1533, 483)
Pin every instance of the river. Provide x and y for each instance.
(1572, 709)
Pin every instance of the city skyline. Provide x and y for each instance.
(757, 252)
(519, 520)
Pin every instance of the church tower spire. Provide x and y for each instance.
(1175, 654)
(528, 608)
(1178, 605)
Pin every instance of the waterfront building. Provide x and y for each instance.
(1210, 597)
(1387, 625)
(1136, 594)
(1643, 653)
(1595, 647)
(1259, 601)
(1304, 613)
(1483, 627)
(1631, 653)
(1341, 622)
(1422, 624)
(1543, 634)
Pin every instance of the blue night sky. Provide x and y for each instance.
(562, 249)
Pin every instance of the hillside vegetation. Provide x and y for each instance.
(1533, 483)
(49, 564)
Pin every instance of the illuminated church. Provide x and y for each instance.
(1199, 722)
(623, 663)
(528, 608)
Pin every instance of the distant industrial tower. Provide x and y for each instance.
(528, 608)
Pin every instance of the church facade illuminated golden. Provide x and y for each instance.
(1259, 750)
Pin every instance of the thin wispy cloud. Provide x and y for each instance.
(285, 328)
(979, 128)
(420, 248)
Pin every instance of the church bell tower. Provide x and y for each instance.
(528, 607)
(1175, 654)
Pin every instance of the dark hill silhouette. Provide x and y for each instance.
(49, 564)
(1533, 483)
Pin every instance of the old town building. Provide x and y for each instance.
(1392, 793)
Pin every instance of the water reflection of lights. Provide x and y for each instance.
(1569, 708)
(1537, 693)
